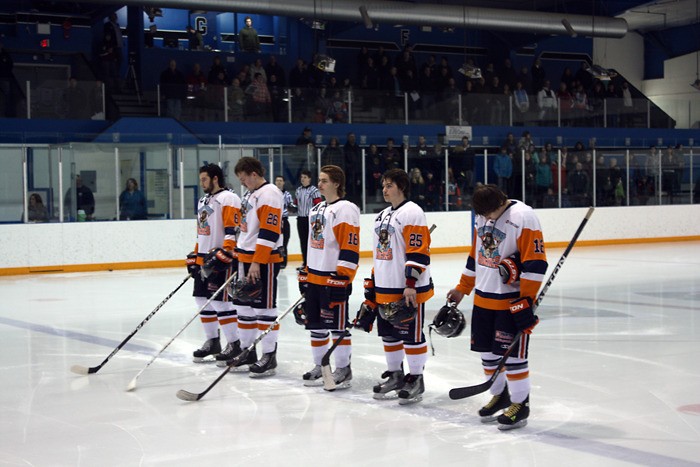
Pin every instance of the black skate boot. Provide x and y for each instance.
(489, 412)
(389, 389)
(342, 377)
(515, 416)
(265, 366)
(313, 377)
(413, 389)
(232, 350)
(210, 347)
(242, 365)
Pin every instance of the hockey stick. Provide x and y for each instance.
(326, 373)
(82, 370)
(132, 384)
(192, 396)
(468, 391)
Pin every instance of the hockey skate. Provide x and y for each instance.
(265, 366)
(342, 377)
(210, 347)
(488, 413)
(232, 350)
(390, 388)
(313, 377)
(515, 416)
(242, 365)
(413, 389)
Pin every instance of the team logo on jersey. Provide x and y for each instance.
(318, 222)
(245, 206)
(491, 238)
(203, 227)
(383, 249)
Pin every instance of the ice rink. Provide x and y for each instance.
(614, 367)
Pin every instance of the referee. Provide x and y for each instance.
(307, 196)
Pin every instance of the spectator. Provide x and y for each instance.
(332, 154)
(257, 67)
(236, 101)
(539, 76)
(462, 160)
(353, 158)
(108, 63)
(393, 159)
(503, 167)
(132, 203)
(261, 101)
(522, 101)
(197, 89)
(37, 211)
(112, 34)
(248, 37)
(375, 169)
(75, 100)
(195, 39)
(85, 201)
(214, 71)
(174, 89)
(547, 103)
(579, 186)
(274, 68)
(543, 177)
(417, 187)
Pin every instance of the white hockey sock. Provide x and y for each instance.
(416, 356)
(208, 319)
(518, 374)
(343, 351)
(490, 362)
(228, 320)
(320, 341)
(394, 353)
(265, 319)
(247, 325)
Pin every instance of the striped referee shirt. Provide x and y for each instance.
(288, 201)
(307, 197)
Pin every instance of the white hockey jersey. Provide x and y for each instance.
(516, 231)
(401, 240)
(218, 221)
(334, 241)
(261, 225)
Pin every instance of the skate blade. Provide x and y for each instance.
(203, 360)
(515, 425)
(387, 396)
(489, 419)
(412, 400)
(313, 383)
(270, 372)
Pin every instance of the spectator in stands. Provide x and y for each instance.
(85, 201)
(299, 76)
(583, 76)
(432, 193)
(539, 76)
(462, 160)
(333, 154)
(375, 169)
(6, 80)
(652, 165)
(566, 104)
(132, 203)
(112, 34)
(173, 87)
(393, 159)
(75, 100)
(579, 186)
(338, 109)
(197, 90)
(612, 97)
(195, 39)
(525, 140)
(353, 157)
(503, 168)
(108, 64)
(417, 187)
(37, 211)
(522, 101)
(305, 139)
(274, 68)
(236, 101)
(525, 78)
(248, 37)
(278, 95)
(543, 178)
(216, 68)
(596, 102)
(260, 99)
(257, 67)
(547, 103)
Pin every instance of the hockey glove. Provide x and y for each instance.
(509, 269)
(521, 311)
(300, 314)
(337, 289)
(302, 277)
(366, 316)
(217, 260)
(191, 262)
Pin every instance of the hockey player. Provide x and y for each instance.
(400, 284)
(505, 268)
(259, 257)
(333, 256)
(218, 220)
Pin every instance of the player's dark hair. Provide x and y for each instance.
(400, 178)
(487, 198)
(214, 170)
(306, 172)
(336, 175)
(249, 165)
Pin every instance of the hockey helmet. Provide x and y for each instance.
(449, 321)
(246, 293)
(397, 313)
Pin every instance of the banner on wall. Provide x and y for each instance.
(456, 133)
